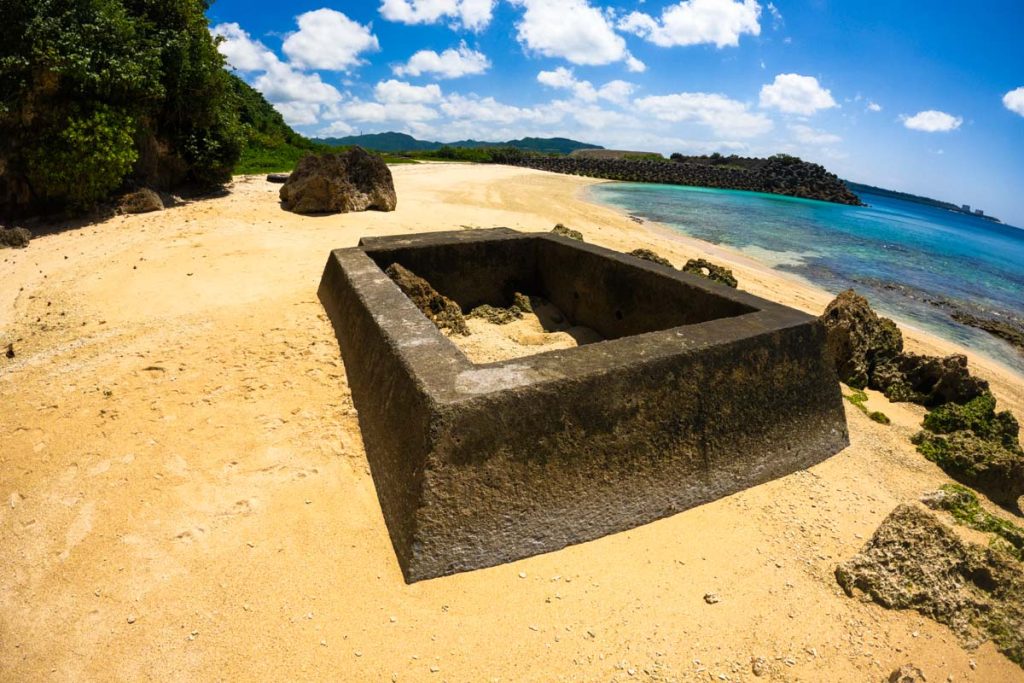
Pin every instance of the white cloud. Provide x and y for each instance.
(932, 121)
(810, 136)
(376, 112)
(452, 63)
(1014, 101)
(241, 51)
(874, 106)
(796, 94)
(281, 83)
(399, 92)
(329, 40)
(299, 113)
(474, 15)
(565, 79)
(726, 117)
(694, 22)
(572, 30)
(489, 110)
(617, 92)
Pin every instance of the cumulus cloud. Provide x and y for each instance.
(240, 50)
(489, 110)
(452, 63)
(378, 112)
(617, 91)
(796, 94)
(399, 92)
(474, 15)
(932, 121)
(565, 79)
(874, 107)
(281, 83)
(298, 96)
(1014, 101)
(695, 22)
(811, 136)
(572, 30)
(327, 39)
(725, 116)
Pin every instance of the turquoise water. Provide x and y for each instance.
(913, 262)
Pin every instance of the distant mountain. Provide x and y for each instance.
(400, 142)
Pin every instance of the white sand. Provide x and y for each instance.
(185, 494)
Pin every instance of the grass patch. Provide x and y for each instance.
(859, 399)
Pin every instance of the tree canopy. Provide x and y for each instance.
(95, 94)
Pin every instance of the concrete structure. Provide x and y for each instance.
(699, 391)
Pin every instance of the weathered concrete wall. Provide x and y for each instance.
(801, 179)
(481, 464)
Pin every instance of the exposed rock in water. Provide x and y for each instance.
(353, 180)
(914, 561)
(278, 178)
(14, 238)
(140, 201)
(711, 271)
(567, 232)
(654, 257)
(442, 311)
(858, 340)
(1004, 329)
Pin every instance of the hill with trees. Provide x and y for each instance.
(401, 142)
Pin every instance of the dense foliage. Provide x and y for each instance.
(95, 93)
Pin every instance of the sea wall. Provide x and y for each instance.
(785, 176)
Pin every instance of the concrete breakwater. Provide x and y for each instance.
(785, 175)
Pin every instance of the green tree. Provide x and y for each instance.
(97, 93)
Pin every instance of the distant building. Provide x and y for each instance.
(979, 212)
(966, 208)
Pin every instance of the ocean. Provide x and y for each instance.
(915, 263)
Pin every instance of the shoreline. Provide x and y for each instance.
(734, 257)
(186, 491)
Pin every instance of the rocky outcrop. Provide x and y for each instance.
(914, 561)
(353, 180)
(776, 175)
(652, 256)
(963, 433)
(140, 201)
(442, 311)
(14, 238)
(567, 232)
(860, 342)
(711, 271)
(1011, 332)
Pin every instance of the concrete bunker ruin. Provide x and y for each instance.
(698, 391)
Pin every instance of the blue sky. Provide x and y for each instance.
(923, 97)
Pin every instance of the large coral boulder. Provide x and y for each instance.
(14, 238)
(353, 180)
(141, 201)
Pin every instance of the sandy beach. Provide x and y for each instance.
(185, 494)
